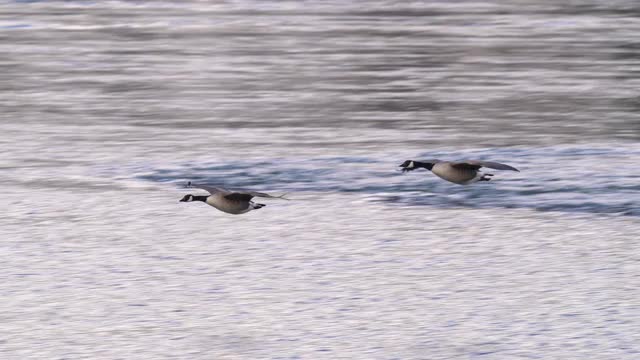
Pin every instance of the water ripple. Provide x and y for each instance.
(568, 179)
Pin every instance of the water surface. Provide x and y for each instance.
(109, 108)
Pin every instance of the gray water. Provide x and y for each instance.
(109, 108)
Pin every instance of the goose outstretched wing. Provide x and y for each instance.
(477, 164)
(259, 194)
(235, 194)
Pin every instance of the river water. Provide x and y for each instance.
(109, 108)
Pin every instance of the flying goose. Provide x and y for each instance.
(460, 172)
(229, 201)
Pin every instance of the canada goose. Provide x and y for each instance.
(232, 202)
(460, 172)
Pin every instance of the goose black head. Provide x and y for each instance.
(187, 198)
(408, 165)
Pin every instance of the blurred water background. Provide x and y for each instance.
(109, 107)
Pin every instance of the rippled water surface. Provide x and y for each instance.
(109, 108)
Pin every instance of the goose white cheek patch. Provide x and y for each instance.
(411, 165)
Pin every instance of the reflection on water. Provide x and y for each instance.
(553, 179)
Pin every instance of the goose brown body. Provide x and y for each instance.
(230, 201)
(459, 172)
(461, 175)
(230, 206)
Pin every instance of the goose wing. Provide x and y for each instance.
(248, 195)
(477, 164)
(236, 196)
(243, 195)
(258, 194)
